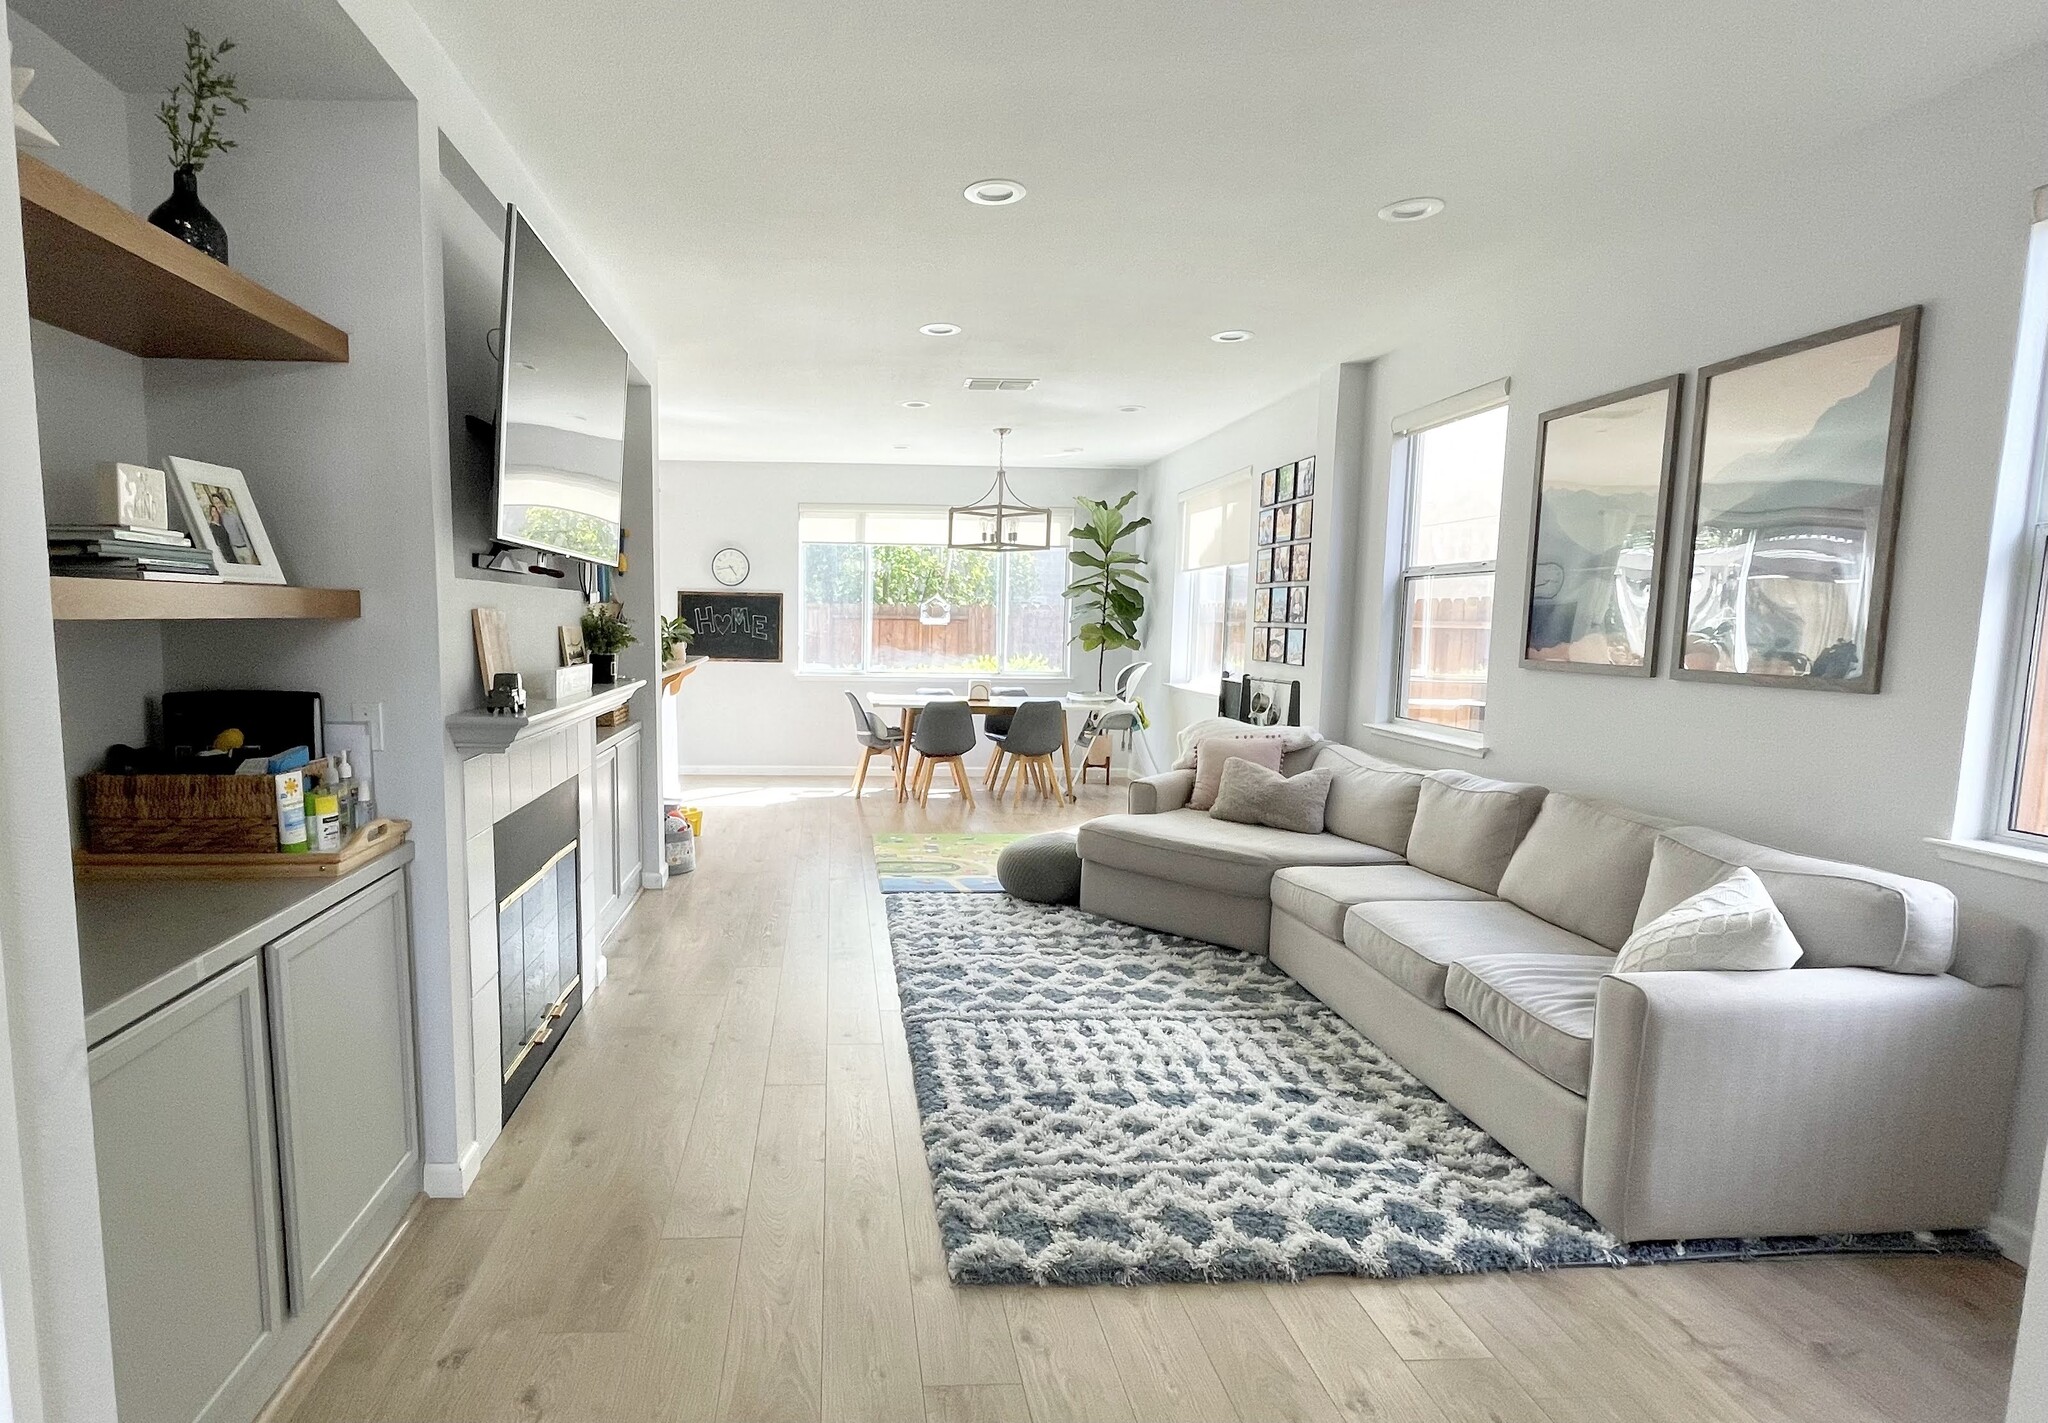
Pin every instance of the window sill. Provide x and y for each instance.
(1196, 689)
(1994, 855)
(1459, 743)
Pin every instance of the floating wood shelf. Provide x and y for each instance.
(135, 600)
(99, 270)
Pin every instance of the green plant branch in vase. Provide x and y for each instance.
(1107, 580)
(191, 113)
(606, 633)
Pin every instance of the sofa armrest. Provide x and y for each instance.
(1803, 1101)
(1169, 790)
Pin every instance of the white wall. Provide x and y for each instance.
(1319, 419)
(1931, 206)
(764, 716)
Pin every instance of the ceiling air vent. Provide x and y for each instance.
(1002, 382)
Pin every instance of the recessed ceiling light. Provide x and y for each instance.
(901, 447)
(1411, 210)
(939, 328)
(994, 192)
(917, 405)
(1129, 409)
(1231, 338)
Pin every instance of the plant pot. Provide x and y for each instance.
(186, 218)
(604, 666)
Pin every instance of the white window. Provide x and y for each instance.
(883, 595)
(1448, 465)
(2022, 808)
(1212, 586)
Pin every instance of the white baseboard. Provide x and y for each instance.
(654, 879)
(446, 1180)
(807, 772)
(2014, 1238)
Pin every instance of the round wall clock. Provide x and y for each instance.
(730, 567)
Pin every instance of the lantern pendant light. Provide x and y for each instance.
(1001, 522)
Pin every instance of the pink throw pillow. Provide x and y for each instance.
(1212, 753)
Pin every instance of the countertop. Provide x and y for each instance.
(142, 943)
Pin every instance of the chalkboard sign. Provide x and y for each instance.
(733, 627)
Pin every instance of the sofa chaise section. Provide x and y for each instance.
(1865, 1089)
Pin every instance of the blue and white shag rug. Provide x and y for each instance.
(1104, 1104)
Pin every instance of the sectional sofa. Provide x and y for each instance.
(1469, 927)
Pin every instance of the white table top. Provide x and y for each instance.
(897, 701)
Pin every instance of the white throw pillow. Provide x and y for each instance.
(1731, 924)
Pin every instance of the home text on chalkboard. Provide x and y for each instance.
(733, 627)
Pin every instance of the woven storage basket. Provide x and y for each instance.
(180, 814)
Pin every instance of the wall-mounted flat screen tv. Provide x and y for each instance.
(561, 410)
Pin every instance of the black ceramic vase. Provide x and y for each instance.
(603, 667)
(186, 218)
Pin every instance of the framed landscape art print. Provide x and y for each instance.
(1798, 465)
(1596, 548)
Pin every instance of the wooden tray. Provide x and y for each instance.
(377, 838)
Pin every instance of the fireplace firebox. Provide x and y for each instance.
(540, 990)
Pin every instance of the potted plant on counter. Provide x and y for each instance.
(606, 634)
(675, 633)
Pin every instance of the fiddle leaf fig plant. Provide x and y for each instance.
(1107, 579)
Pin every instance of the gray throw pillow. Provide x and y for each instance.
(1252, 795)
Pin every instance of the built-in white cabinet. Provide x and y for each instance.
(189, 1208)
(615, 778)
(258, 1143)
(347, 1129)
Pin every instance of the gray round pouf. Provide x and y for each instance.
(1045, 869)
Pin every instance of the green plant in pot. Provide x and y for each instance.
(675, 633)
(191, 115)
(1107, 580)
(606, 634)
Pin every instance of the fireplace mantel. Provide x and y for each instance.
(479, 733)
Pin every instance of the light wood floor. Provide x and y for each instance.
(714, 1205)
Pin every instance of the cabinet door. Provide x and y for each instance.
(604, 833)
(181, 1109)
(348, 1128)
(626, 835)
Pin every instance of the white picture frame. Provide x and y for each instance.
(220, 515)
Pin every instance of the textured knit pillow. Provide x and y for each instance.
(1211, 754)
(1731, 924)
(1254, 795)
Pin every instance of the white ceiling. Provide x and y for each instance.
(284, 49)
(776, 186)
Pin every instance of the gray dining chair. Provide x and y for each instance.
(944, 732)
(876, 738)
(1036, 731)
(995, 725)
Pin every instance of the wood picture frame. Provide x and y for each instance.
(1764, 413)
(1592, 431)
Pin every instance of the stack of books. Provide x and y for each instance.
(124, 551)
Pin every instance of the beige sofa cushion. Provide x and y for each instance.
(1189, 847)
(1583, 866)
(1219, 751)
(1538, 1006)
(1467, 827)
(1370, 800)
(1320, 896)
(1414, 944)
(1844, 916)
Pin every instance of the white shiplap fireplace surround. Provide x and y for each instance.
(507, 762)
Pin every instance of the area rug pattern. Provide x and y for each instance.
(939, 863)
(1102, 1104)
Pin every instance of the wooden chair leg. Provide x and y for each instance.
(962, 779)
(995, 764)
(860, 772)
(1009, 770)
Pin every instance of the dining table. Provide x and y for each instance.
(908, 704)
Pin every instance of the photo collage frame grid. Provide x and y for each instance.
(1282, 563)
